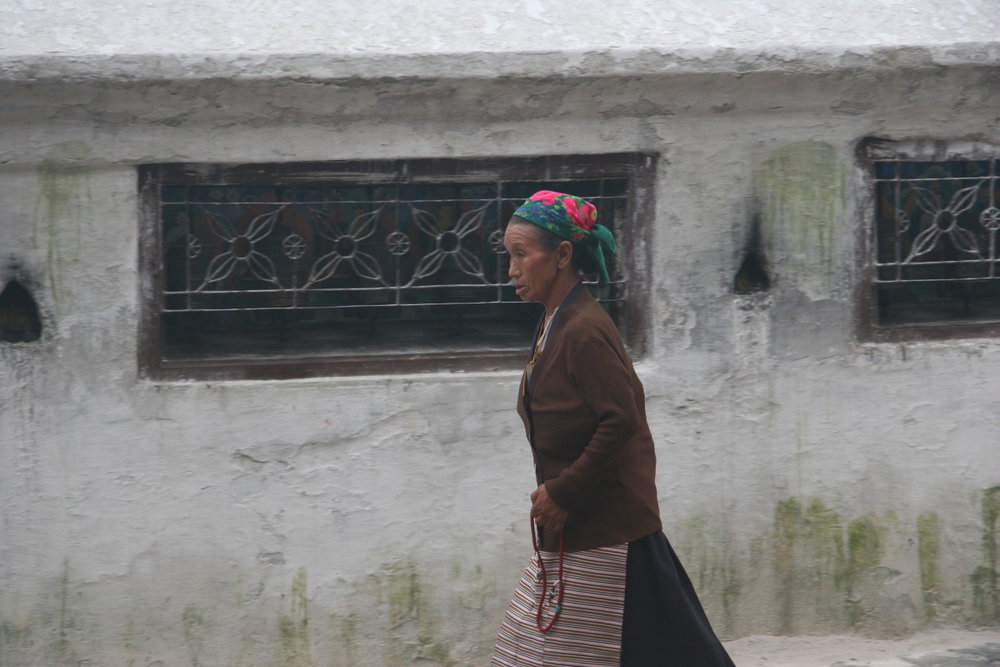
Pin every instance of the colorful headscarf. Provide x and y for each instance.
(573, 219)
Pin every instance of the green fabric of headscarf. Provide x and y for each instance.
(575, 220)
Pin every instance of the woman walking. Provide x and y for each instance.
(604, 586)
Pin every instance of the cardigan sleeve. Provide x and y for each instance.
(604, 381)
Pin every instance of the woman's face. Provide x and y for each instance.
(533, 268)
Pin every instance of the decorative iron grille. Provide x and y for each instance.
(233, 248)
(400, 259)
(937, 258)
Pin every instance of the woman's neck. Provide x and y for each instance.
(559, 292)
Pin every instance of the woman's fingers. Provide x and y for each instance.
(545, 512)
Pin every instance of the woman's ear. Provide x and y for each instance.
(564, 254)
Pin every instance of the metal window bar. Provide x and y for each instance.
(281, 251)
(943, 228)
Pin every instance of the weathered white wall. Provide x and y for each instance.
(805, 477)
(411, 27)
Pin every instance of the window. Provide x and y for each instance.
(296, 270)
(934, 253)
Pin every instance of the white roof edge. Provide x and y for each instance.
(487, 65)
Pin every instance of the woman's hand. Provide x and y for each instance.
(545, 512)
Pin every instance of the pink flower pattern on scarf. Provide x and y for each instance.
(572, 218)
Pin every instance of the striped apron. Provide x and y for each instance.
(588, 631)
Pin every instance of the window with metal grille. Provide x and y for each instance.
(292, 270)
(934, 249)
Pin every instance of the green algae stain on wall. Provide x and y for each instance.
(293, 628)
(713, 569)
(800, 189)
(864, 552)
(402, 588)
(986, 596)
(193, 623)
(864, 548)
(808, 561)
(398, 594)
(345, 648)
(67, 615)
(929, 552)
(787, 516)
(63, 194)
(833, 576)
(408, 603)
(15, 638)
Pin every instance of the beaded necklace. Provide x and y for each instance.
(537, 350)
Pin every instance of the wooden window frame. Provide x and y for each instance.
(870, 329)
(634, 232)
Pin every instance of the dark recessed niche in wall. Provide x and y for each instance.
(752, 277)
(19, 320)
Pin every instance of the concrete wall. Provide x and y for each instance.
(810, 482)
(408, 27)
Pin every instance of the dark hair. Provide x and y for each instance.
(582, 261)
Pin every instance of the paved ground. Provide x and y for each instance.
(941, 648)
(988, 654)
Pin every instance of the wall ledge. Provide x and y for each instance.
(331, 67)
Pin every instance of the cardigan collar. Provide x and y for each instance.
(571, 297)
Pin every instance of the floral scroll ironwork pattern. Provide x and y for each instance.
(937, 221)
(253, 250)
(239, 248)
(245, 248)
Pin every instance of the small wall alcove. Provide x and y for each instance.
(19, 319)
(752, 276)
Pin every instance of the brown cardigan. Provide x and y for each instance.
(585, 416)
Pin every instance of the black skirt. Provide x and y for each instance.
(663, 623)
